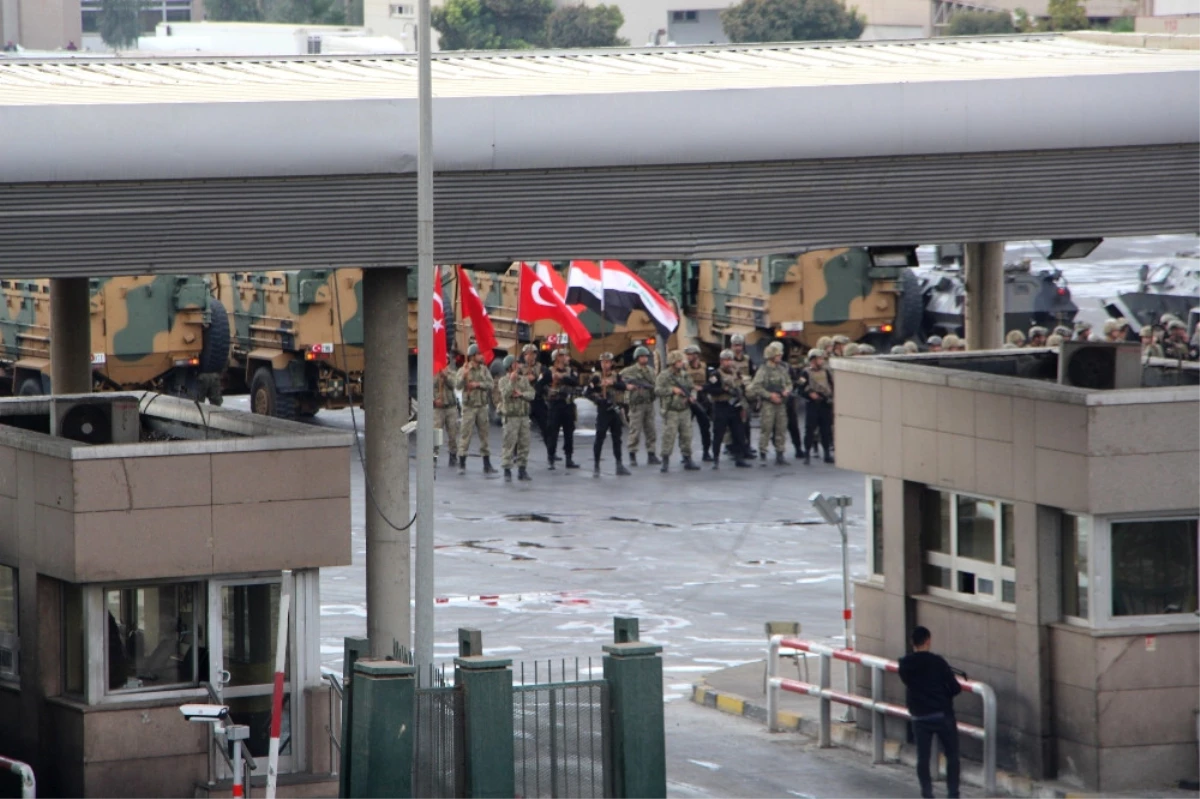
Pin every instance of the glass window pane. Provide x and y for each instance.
(73, 633)
(936, 576)
(1008, 592)
(1007, 547)
(8, 600)
(1075, 531)
(250, 621)
(876, 526)
(151, 636)
(935, 522)
(977, 529)
(1154, 567)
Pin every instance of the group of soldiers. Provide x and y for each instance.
(1166, 339)
(719, 398)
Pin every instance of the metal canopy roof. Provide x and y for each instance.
(196, 164)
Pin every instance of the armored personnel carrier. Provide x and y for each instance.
(1171, 287)
(1030, 298)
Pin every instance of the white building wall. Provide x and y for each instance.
(695, 26)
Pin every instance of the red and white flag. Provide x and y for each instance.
(585, 287)
(481, 323)
(552, 278)
(614, 291)
(440, 358)
(539, 300)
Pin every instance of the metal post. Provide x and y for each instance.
(989, 731)
(423, 641)
(843, 502)
(236, 733)
(877, 716)
(772, 688)
(825, 738)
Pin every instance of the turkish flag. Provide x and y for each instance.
(440, 359)
(481, 323)
(539, 300)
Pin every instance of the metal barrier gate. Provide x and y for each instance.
(439, 762)
(562, 732)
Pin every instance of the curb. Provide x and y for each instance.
(849, 735)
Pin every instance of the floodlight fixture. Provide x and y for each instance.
(1062, 249)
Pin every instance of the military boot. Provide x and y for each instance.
(453, 459)
(743, 464)
(666, 463)
(508, 475)
(762, 457)
(487, 465)
(716, 461)
(596, 469)
(689, 465)
(571, 464)
(522, 474)
(621, 470)
(633, 459)
(653, 460)
(779, 459)
(707, 457)
(807, 458)
(552, 460)
(462, 464)
(828, 457)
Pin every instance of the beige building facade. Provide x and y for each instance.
(1047, 536)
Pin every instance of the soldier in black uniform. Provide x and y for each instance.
(533, 370)
(728, 395)
(607, 390)
(559, 383)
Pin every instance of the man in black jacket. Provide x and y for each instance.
(931, 687)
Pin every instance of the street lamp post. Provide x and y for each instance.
(833, 511)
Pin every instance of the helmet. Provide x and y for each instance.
(1122, 321)
(737, 338)
(1111, 326)
(606, 356)
(898, 349)
(1166, 318)
(528, 348)
(640, 351)
(1063, 331)
(691, 349)
(773, 349)
(1148, 331)
(816, 352)
(843, 340)
(911, 347)
(674, 357)
(560, 351)
(1015, 337)
(472, 350)
(934, 341)
(951, 342)
(726, 355)
(1055, 340)
(824, 342)
(1175, 324)
(851, 349)
(1038, 330)
(508, 362)
(1083, 324)
(864, 349)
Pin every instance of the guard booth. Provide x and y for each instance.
(145, 541)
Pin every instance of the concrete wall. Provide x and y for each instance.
(706, 29)
(41, 25)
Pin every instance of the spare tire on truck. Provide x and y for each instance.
(214, 354)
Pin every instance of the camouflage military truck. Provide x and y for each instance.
(793, 298)
(158, 333)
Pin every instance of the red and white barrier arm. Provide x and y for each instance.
(285, 601)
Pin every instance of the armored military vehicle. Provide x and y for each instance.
(795, 298)
(158, 333)
(1030, 298)
(1171, 287)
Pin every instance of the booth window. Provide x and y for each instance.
(1075, 533)
(875, 514)
(74, 661)
(968, 547)
(151, 637)
(1153, 567)
(10, 643)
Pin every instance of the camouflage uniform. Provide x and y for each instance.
(210, 387)
(475, 408)
(700, 408)
(817, 384)
(772, 378)
(641, 409)
(445, 411)
(516, 395)
(677, 418)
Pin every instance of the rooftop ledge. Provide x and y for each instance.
(996, 372)
(145, 424)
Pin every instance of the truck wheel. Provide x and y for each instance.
(266, 400)
(30, 387)
(214, 354)
(910, 307)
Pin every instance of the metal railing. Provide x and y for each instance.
(874, 703)
(336, 697)
(25, 773)
(216, 746)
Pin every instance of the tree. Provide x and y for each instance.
(791, 21)
(305, 12)
(492, 24)
(975, 23)
(1022, 21)
(1065, 15)
(120, 23)
(233, 10)
(580, 26)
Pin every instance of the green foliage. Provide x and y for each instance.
(580, 26)
(119, 22)
(305, 12)
(1120, 25)
(976, 23)
(492, 24)
(791, 21)
(1065, 15)
(1022, 21)
(354, 12)
(233, 10)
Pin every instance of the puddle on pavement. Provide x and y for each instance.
(640, 521)
(531, 517)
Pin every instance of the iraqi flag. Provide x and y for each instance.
(585, 288)
(615, 291)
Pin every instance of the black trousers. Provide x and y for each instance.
(560, 417)
(537, 415)
(727, 417)
(700, 414)
(818, 419)
(608, 421)
(946, 729)
(793, 424)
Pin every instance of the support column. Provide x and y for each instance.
(487, 686)
(384, 711)
(70, 336)
(983, 310)
(902, 579)
(1036, 558)
(635, 678)
(385, 396)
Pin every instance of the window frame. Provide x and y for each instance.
(13, 678)
(1100, 576)
(994, 571)
(875, 570)
(1080, 621)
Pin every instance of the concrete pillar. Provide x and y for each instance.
(487, 687)
(983, 310)
(635, 678)
(70, 336)
(385, 395)
(382, 732)
(902, 578)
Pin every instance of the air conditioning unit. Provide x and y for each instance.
(10, 656)
(1100, 364)
(96, 420)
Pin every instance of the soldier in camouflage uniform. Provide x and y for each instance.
(1038, 336)
(516, 393)
(744, 368)
(1176, 344)
(533, 370)
(639, 380)
(1015, 340)
(772, 385)
(445, 411)
(607, 390)
(674, 389)
(728, 397)
(474, 380)
(698, 371)
(1150, 346)
(210, 387)
(817, 384)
